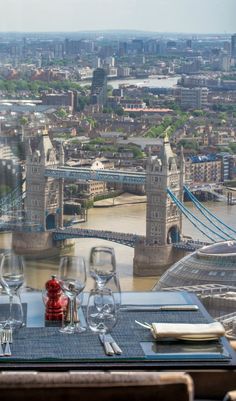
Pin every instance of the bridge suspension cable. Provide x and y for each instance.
(203, 209)
(12, 195)
(197, 223)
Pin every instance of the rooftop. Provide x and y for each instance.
(221, 248)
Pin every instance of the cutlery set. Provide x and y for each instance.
(5, 341)
(109, 344)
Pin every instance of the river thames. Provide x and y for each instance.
(128, 218)
(153, 81)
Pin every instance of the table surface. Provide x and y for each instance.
(35, 320)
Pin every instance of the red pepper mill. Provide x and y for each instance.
(54, 303)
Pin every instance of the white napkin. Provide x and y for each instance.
(191, 332)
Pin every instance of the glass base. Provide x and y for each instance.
(72, 329)
(13, 324)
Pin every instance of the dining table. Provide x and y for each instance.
(39, 344)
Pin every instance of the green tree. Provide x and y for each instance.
(4, 189)
(137, 153)
(190, 144)
(119, 111)
(23, 122)
(198, 113)
(232, 147)
(62, 113)
(82, 102)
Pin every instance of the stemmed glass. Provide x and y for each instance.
(102, 265)
(12, 279)
(101, 311)
(72, 277)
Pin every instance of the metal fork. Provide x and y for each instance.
(7, 339)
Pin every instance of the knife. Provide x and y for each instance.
(130, 308)
(114, 345)
(107, 347)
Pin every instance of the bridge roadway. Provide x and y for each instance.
(118, 176)
(121, 238)
(60, 234)
(190, 245)
(79, 173)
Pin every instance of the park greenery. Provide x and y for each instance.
(232, 147)
(190, 144)
(35, 87)
(104, 145)
(172, 123)
(62, 113)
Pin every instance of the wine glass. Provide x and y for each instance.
(72, 277)
(102, 265)
(114, 286)
(101, 311)
(12, 279)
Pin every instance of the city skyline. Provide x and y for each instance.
(184, 16)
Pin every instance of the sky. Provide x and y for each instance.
(182, 16)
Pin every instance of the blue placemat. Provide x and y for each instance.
(48, 344)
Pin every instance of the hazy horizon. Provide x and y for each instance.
(158, 33)
(154, 16)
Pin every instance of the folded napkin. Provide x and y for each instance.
(183, 331)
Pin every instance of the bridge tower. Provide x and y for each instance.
(42, 205)
(163, 218)
(43, 202)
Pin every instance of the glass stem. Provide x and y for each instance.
(10, 305)
(72, 309)
(20, 306)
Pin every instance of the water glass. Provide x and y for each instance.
(102, 265)
(11, 313)
(72, 277)
(12, 279)
(114, 285)
(101, 311)
(12, 272)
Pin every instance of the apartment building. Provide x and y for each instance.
(203, 169)
(194, 98)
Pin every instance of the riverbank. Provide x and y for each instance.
(123, 199)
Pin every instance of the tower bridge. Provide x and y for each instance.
(41, 231)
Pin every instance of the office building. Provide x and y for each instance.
(99, 87)
(233, 46)
(211, 264)
(65, 99)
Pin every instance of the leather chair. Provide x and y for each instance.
(102, 386)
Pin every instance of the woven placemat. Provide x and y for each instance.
(48, 344)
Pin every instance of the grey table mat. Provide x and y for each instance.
(48, 344)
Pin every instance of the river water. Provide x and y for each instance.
(152, 82)
(125, 218)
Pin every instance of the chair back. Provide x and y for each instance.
(93, 386)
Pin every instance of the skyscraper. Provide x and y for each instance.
(233, 46)
(99, 87)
